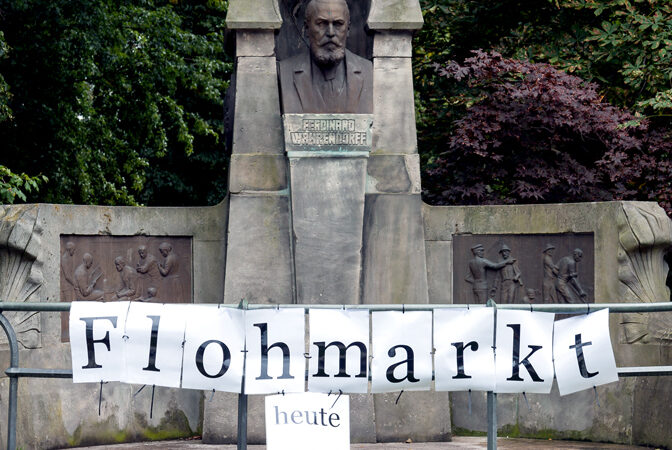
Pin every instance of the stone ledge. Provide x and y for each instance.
(395, 15)
(393, 44)
(255, 43)
(253, 14)
(250, 172)
(393, 174)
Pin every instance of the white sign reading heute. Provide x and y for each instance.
(307, 421)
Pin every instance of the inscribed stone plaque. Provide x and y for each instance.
(524, 268)
(312, 134)
(139, 268)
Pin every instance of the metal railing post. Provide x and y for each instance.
(13, 381)
(242, 421)
(492, 396)
(492, 420)
(241, 437)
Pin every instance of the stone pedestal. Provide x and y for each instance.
(327, 216)
(333, 221)
(327, 159)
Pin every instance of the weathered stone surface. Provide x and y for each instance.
(328, 209)
(395, 15)
(252, 173)
(253, 14)
(255, 43)
(362, 418)
(57, 413)
(645, 235)
(258, 255)
(394, 107)
(629, 243)
(439, 271)
(650, 424)
(575, 416)
(393, 265)
(393, 44)
(393, 174)
(257, 126)
(21, 271)
(418, 416)
(220, 424)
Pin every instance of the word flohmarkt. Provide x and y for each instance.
(206, 347)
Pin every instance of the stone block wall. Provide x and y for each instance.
(58, 413)
(630, 242)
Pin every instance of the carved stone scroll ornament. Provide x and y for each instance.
(21, 270)
(645, 235)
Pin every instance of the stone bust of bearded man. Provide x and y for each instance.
(328, 78)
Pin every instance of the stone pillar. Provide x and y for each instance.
(258, 259)
(394, 267)
(258, 252)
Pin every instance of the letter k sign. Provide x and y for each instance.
(523, 352)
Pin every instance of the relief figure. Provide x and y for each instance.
(567, 284)
(477, 272)
(151, 296)
(86, 278)
(148, 271)
(549, 294)
(128, 276)
(68, 272)
(328, 78)
(169, 268)
(508, 278)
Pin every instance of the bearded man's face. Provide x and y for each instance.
(327, 23)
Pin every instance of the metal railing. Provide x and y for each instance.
(14, 372)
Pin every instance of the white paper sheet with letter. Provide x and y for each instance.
(278, 334)
(307, 421)
(524, 352)
(154, 358)
(402, 351)
(96, 331)
(583, 354)
(334, 332)
(464, 359)
(213, 349)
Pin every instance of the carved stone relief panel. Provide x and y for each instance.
(520, 268)
(118, 268)
(21, 271)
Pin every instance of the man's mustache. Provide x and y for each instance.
(327, 41)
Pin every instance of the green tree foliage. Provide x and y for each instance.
(5, 111)
(12, 185)
(624, 44)
(15, 186)
(119, 101)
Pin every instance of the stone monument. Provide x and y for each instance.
(324, 207)
(334, 214)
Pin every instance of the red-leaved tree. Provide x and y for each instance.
(533, 134)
